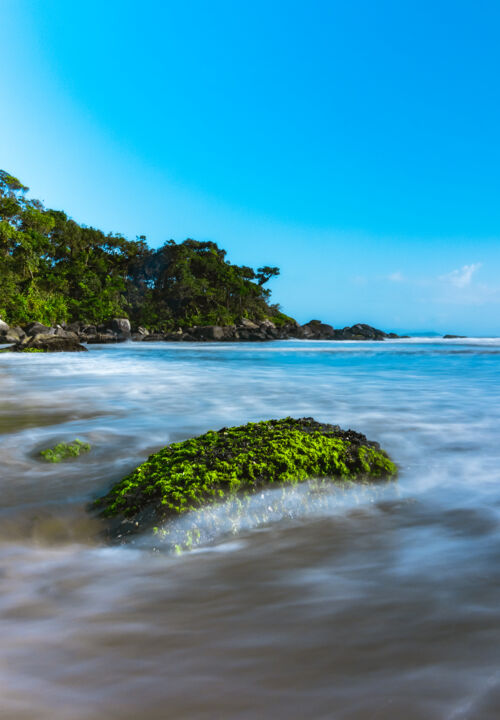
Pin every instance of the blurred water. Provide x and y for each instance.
(358, 603)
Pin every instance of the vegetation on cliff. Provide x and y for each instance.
(53, 270)
(185, 475)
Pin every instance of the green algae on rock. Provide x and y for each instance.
(185, 475)
(63, 451)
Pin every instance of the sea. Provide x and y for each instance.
(317, 601)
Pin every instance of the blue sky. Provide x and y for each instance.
(353, 144)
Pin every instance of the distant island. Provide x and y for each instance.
(60, 279)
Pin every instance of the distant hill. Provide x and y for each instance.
(53, 270)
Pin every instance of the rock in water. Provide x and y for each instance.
(120, 326)
(185, 475)
(47, 343)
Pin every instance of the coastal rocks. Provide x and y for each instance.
(245, 330)
(360, 331)
(157, 337)
(140, 334)
(12, 335)
(210, 332)
(248, 324)
(186, 475)
(113, 331)
(316, 330)
(36, 328)
(120, 326)
(454, 337)
(101, 338)
(47, 343)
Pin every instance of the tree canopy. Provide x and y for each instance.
(54, 270)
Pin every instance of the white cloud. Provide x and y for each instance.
(463, 277)
(396, 277)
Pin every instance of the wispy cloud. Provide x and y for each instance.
(396, 277)
(461, 278)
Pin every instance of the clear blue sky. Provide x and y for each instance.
(354, 144)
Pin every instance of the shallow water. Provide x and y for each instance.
(355, 603)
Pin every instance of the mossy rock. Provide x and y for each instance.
(185, 475)
(64, 451)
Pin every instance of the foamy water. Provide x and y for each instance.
(316, 601)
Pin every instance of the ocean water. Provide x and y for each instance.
(360, 602)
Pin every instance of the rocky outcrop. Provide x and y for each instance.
(245, 330)
(120, 327)
(360, 332)
(238, 460)
(316, 330)
(11, 335)
(120, 330)
(113, 331)
(36, 337)
(47, 343)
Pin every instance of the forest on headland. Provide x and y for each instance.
(55, 270)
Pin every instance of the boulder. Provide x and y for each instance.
(75, 327)
(248, 324)
(3, 327)
(120, 326)
(315, 330)
(13, 335)
(86, 330)
(62, 332)
(187, 475)
(207, 332)
(36, 328)
(360, 331)
(103, 338)
(158, 337)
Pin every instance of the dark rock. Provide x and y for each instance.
(103, 338)
(86, 330)
(155, 337)
(318, 330)
(62, 332)
(248, 324)
(13, 335)
(48, 343)
(453, 337)
(207, 332)
(257, 455)
(360, 331)
(36, 328)
(75, 327)
(120, 326)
